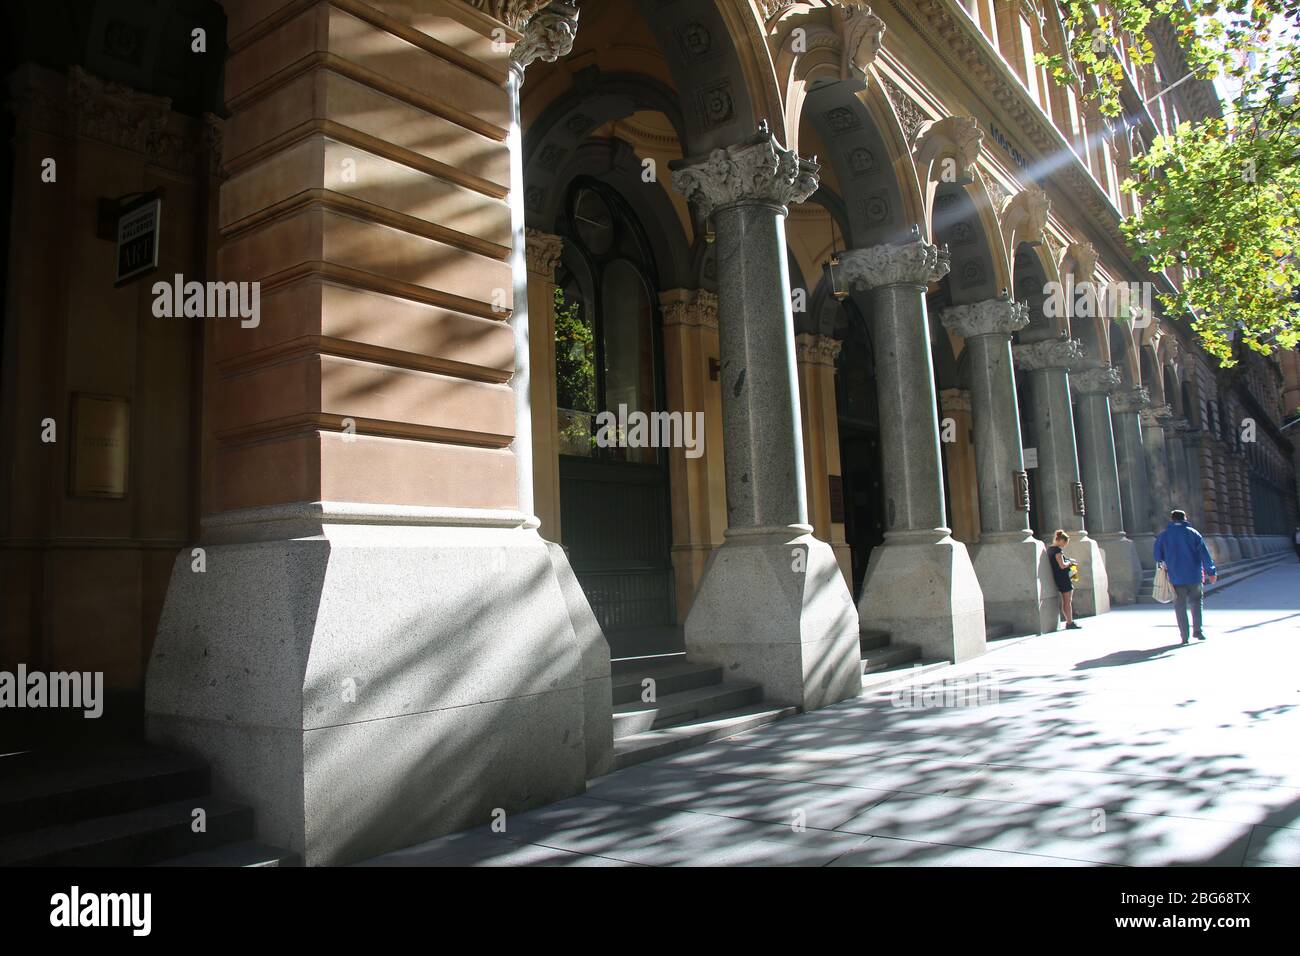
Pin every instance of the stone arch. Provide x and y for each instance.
(1034, 274)
(960, 221)
(1024, 219)
(945, 153)
(565, 124)
(1150, 378)
(1123, 352)
(869, 160)
(614, 162)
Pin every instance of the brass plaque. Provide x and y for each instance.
(837, 499)
(1021, 479)
(101, 443)
(1078, 499)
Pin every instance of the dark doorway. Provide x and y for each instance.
(614, 501)
(859, 427)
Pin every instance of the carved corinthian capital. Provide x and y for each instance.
(542, 251)
(690, 307)
(756, 170)
(548, 35)
(1155, 416)
(912, 263)
(1130, 401)
(1055, 353)
(990, 317)
(813, 349)
(1097, 380)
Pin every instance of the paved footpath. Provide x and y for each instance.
(1109, 745)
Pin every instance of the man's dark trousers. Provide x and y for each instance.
(1183, 593)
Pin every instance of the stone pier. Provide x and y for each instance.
(1060, 492)
(772, 606)
(920, 585)
(1009, 561)
(1100, 471)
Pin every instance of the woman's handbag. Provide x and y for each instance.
(1162, 590)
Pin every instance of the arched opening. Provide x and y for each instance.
(609, 363)
(1029, 279)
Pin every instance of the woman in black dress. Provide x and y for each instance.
(1061, 574)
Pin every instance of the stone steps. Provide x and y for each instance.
(659, 743)
(687, 705)
(122, 805)
(247, 853)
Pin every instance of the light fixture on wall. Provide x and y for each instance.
(831, 267)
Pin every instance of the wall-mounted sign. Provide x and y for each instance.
(1000, 138)
(1079, 508)
(101, 443)
(1031, 458)
(138, 230)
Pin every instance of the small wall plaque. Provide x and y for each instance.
(101, 444)
(1079, 509)
(837, 498)
(1021, 480)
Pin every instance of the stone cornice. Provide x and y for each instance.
(812, 349)
(690, 307)
(757, 169)
(990, 317)
(542, 252)
(1053, 353)
(912, 263)
(960, 44)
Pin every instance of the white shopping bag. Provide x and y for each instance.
(1162, 590)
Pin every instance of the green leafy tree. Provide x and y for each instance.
(1219, 196)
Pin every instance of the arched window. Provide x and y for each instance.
(605, 324)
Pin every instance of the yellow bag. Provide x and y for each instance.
(1162, 590)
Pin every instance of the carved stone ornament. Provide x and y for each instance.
(690, 307)
(548, 35)
(813, 349)
(954, 400)
(756, 170)
(990, 317)
(1098, 380)
(1026, 215)
(1084, 255)
(912, 263)
(958, 138)
(1130, 401)
(863, 33)
(1155, 416)
(513, 13)
(542, 251)
(118, 115)
(1054, 353)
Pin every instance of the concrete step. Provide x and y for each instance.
(659, 743)
(1230, 574)
(887, 657)
(688, 705)
(995, 630)
(137, 837)
(871, 640)
(39, 790)
(674, 676)
(247, 853)
(879, 680)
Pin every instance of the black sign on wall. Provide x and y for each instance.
(137, 240)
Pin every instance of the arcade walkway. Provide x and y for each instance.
(1110, 745)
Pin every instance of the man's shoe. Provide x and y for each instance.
(1200, 637)
(1073, 627)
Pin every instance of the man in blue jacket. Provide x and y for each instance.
(1181, 549)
